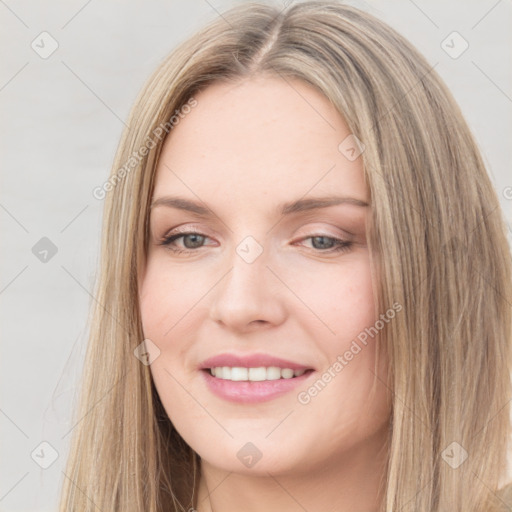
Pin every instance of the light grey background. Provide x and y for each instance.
(62, 117)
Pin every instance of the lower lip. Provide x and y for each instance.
(252, 392)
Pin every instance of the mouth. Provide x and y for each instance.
(255, 374)
(253, 385)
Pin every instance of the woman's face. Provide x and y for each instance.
(256, 281)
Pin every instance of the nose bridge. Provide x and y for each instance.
(245, 282)
(245, 294)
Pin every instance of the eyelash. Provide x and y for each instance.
(341, 245)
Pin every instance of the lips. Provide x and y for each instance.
(250, 361)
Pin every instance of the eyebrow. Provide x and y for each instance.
(300, 205)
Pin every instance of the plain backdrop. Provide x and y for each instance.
(61, 119)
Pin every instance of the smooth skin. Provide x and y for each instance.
(243, 151)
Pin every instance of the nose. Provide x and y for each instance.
(249, 296)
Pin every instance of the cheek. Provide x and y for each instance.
(339, 296)
(342, 322)
(353, 301)
(157, 298)
(166, 298)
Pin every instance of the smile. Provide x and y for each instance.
(257, 374)
(253, 385)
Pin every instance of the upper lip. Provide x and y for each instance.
(250, 361)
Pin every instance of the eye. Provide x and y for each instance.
(328, 244)
(191, 240)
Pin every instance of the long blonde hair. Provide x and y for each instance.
(436, 236)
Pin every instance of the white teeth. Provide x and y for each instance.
(287, 373)
(239, 373)
(273, 373)
(254, 374)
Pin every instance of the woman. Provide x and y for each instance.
(305, 286)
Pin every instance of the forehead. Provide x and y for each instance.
(262, 140)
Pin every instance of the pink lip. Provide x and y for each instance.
(247, 391)
(251, 392)
(250, 361)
